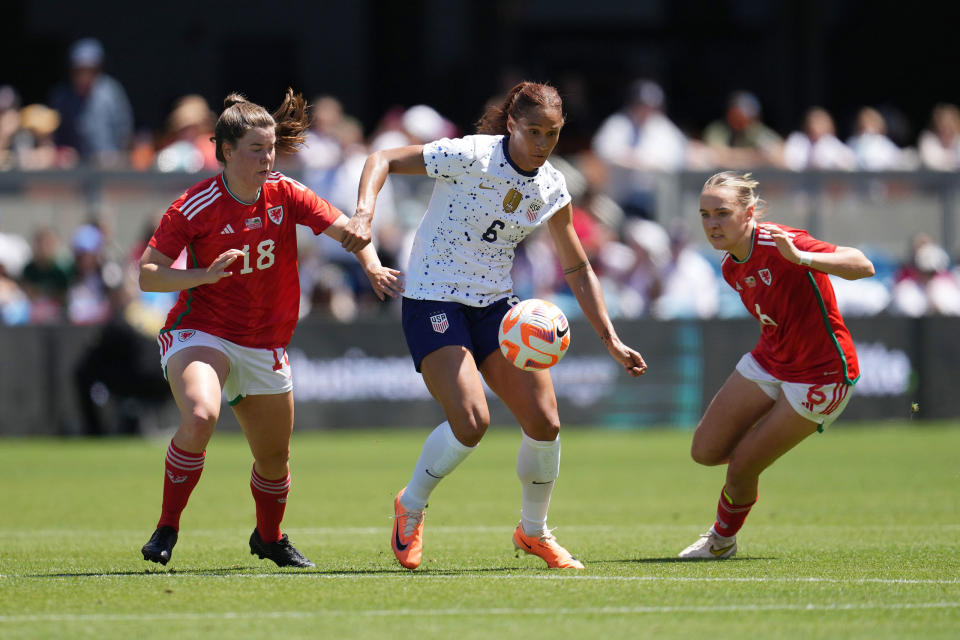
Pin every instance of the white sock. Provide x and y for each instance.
(538, 465)
(721, 539)
(441, 454)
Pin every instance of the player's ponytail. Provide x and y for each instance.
(523, 98)
(239, 115)
(292, 122)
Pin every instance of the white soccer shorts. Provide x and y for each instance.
(253, 372)
(820, 403)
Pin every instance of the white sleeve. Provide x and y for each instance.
(449, 157)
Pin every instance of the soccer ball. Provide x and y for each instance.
(534, 335)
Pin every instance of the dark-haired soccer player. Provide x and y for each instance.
(491, 191)
(237, 309)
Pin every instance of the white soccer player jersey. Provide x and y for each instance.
(482, 206)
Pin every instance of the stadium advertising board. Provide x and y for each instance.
(359, 375)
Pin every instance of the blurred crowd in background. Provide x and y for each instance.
(648, 269)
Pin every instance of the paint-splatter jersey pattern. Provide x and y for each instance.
(482, 206)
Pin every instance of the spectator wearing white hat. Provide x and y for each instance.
(418, 124)
(96, 116)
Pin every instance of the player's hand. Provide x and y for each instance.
(631, 360)
(356, 233)
(784, 243)
(218, 268)
(386, 282)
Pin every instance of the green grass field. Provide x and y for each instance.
(855, 536)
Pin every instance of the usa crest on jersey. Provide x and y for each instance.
(534, 210)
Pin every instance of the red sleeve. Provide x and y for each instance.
(173, 233)
(805, 242)
(312, 210)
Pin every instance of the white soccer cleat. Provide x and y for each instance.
(710, 546)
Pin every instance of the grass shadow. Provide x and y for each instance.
(227, 571)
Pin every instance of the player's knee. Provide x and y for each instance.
(703, 453)
(473, 424)
(274, 463)
(200, 421)
(545, 429)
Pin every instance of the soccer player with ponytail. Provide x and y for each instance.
(491, 191)
(237, 310)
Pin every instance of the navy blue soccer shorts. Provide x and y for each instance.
(431, 324)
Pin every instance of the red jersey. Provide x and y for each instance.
(258, 305)
(803, 338)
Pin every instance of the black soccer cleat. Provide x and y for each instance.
(160, 546)
(281, 552)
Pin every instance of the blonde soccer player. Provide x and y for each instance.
(800, 375)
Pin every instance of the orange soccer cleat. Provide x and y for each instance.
(407, 539)
(547, 547)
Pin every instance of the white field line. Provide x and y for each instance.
(450, 529)
(405, 575)
(482, 612)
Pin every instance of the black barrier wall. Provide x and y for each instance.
(359, 375)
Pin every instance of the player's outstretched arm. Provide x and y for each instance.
(156, 273)
(586, 289)
(408, 160)
(384, 280)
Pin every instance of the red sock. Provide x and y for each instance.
(181, 475)
(730, 516)
(271, 499)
